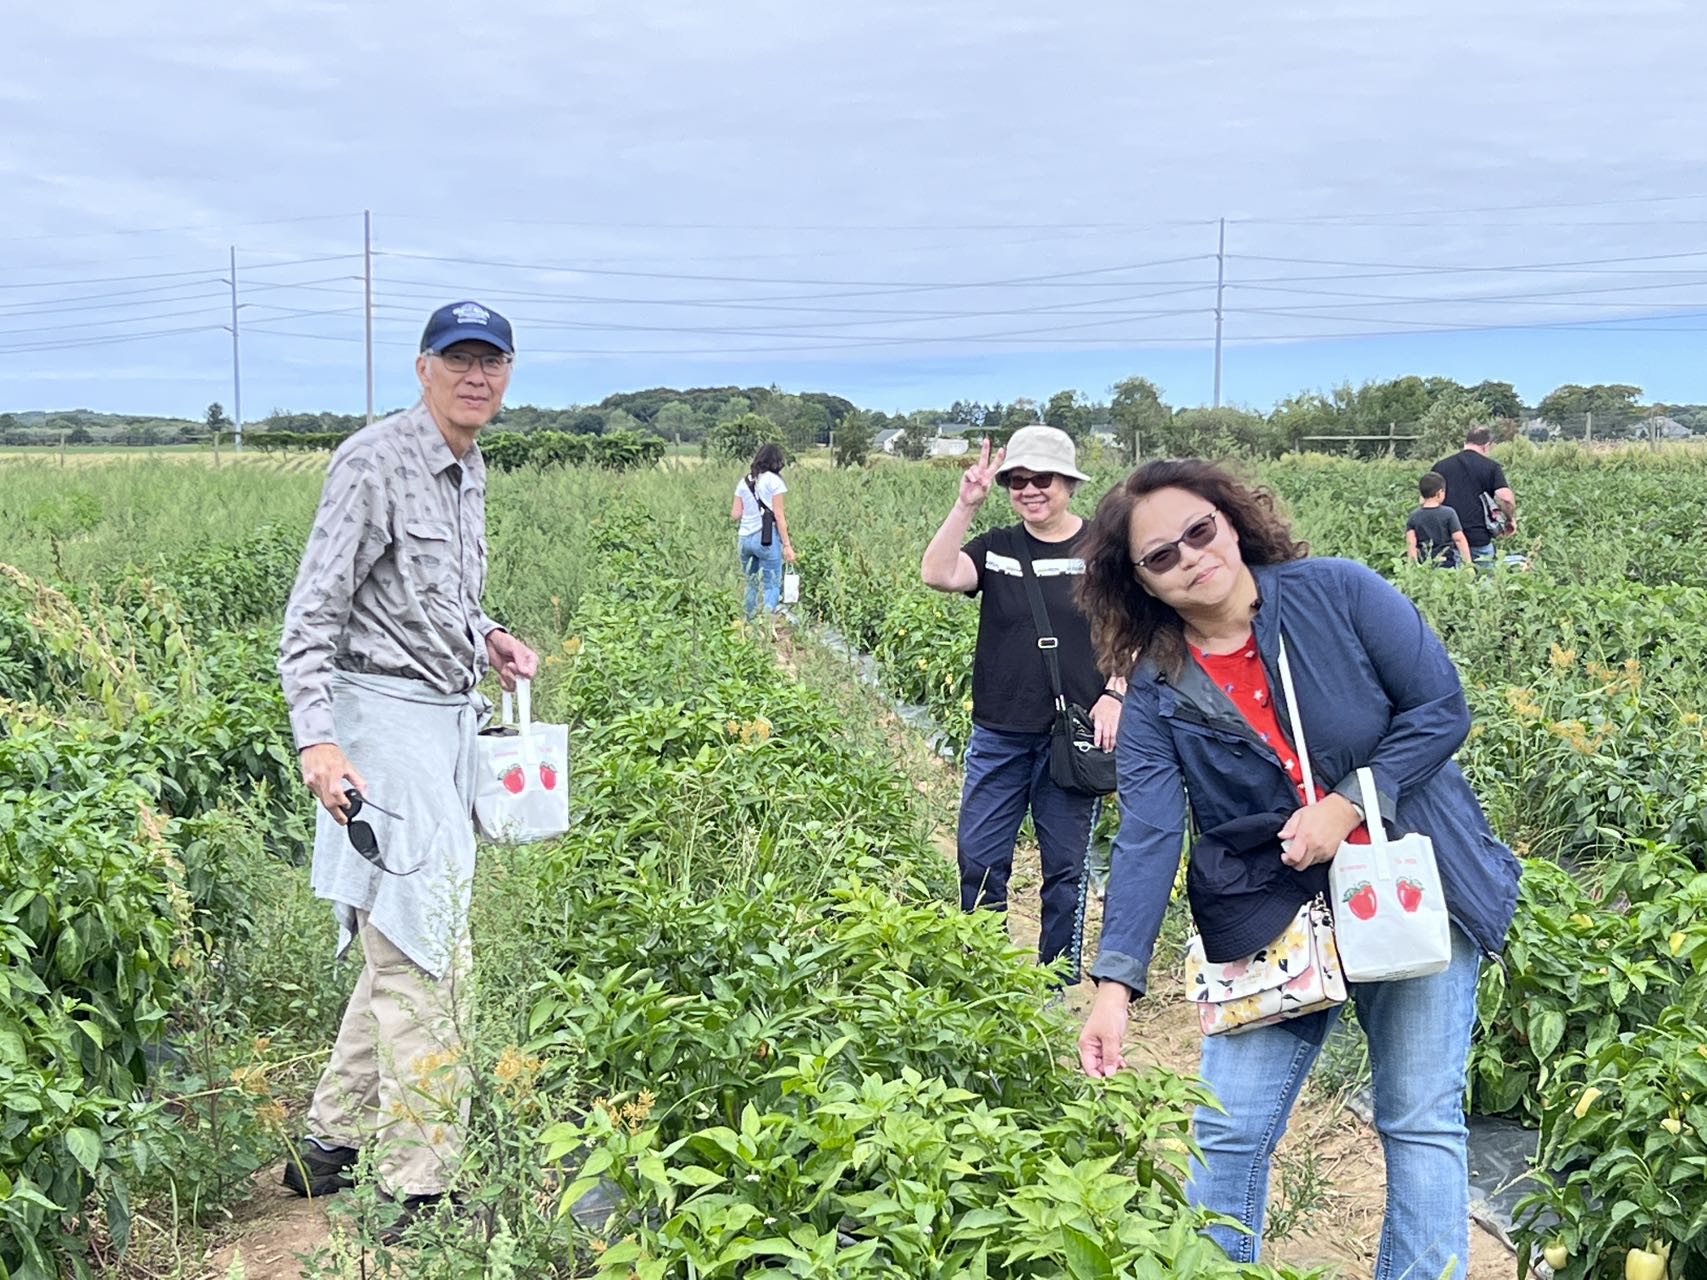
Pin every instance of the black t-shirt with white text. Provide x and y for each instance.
(1468, 476)
(1010, 680)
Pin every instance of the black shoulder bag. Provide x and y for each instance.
(767, 517)
(1076, 763)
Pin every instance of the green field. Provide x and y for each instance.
(738, 990)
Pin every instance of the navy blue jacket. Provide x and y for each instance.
(1375, 687)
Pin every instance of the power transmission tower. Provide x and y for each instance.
(236, 364)
(367, 301)
(1220, 286)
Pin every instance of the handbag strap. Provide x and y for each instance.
(1046, 638)
(1298, 743)
(763, 505)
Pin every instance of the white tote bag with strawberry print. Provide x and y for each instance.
(522, 775)
(1389, 911)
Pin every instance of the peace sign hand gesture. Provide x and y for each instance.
(975, 482)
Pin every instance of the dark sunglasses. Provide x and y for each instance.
(1198, 535)
(361, 834)
(1040, 481)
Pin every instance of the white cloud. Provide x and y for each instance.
(769, 125)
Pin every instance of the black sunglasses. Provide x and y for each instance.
(361, 834)
(1039, 481)
(1198, 535)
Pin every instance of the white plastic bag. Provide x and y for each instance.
(790, 587)
(521, 789)
(1389, 910)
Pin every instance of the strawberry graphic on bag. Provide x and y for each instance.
(1410, 894)
(1361, 899)
(548, 775)
(513, 779)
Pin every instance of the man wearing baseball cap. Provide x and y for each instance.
(385, 642)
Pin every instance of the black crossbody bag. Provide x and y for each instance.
(1076, 763)
(767, 517)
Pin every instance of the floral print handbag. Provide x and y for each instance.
(1298, 973)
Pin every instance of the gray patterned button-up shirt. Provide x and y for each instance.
(395, 567)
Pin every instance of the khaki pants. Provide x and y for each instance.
(396, 1081)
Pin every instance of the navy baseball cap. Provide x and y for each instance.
(467, 322)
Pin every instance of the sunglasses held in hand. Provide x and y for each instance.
(361, 834)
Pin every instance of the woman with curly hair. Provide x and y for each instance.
(1195, 576)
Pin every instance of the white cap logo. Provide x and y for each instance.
(470, 313)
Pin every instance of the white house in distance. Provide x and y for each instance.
(941, 446)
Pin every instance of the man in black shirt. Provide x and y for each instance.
(1470, 476)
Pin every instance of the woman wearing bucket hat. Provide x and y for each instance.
(1013, 702)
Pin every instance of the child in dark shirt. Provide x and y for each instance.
(1434, 532)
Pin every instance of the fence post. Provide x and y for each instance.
(1392, 444)
(62, 448)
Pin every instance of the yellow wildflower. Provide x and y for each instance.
(516, 1069)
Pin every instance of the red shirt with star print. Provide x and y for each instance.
(1243, 678)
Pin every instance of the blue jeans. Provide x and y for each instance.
(1483, 557)
(1419, 1049)
(1007, 774)
(762, 566)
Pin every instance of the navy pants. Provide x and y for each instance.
(1007, 774)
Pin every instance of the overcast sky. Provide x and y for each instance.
(903, 203)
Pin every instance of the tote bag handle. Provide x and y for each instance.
(523, 696)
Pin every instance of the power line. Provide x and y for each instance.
(165, 275)
(1435, 269)
(9, 310)
(101, 324)
(1068, 309)
(771, 228)
(1571, 297)
(141, 336)
(903, 285)
(1310, 219)
(205, 227)
(748, 304)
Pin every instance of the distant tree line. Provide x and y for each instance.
(1417, 416)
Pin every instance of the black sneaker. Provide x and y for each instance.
(314, 1170)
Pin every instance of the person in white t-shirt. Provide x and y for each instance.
(763, 532)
